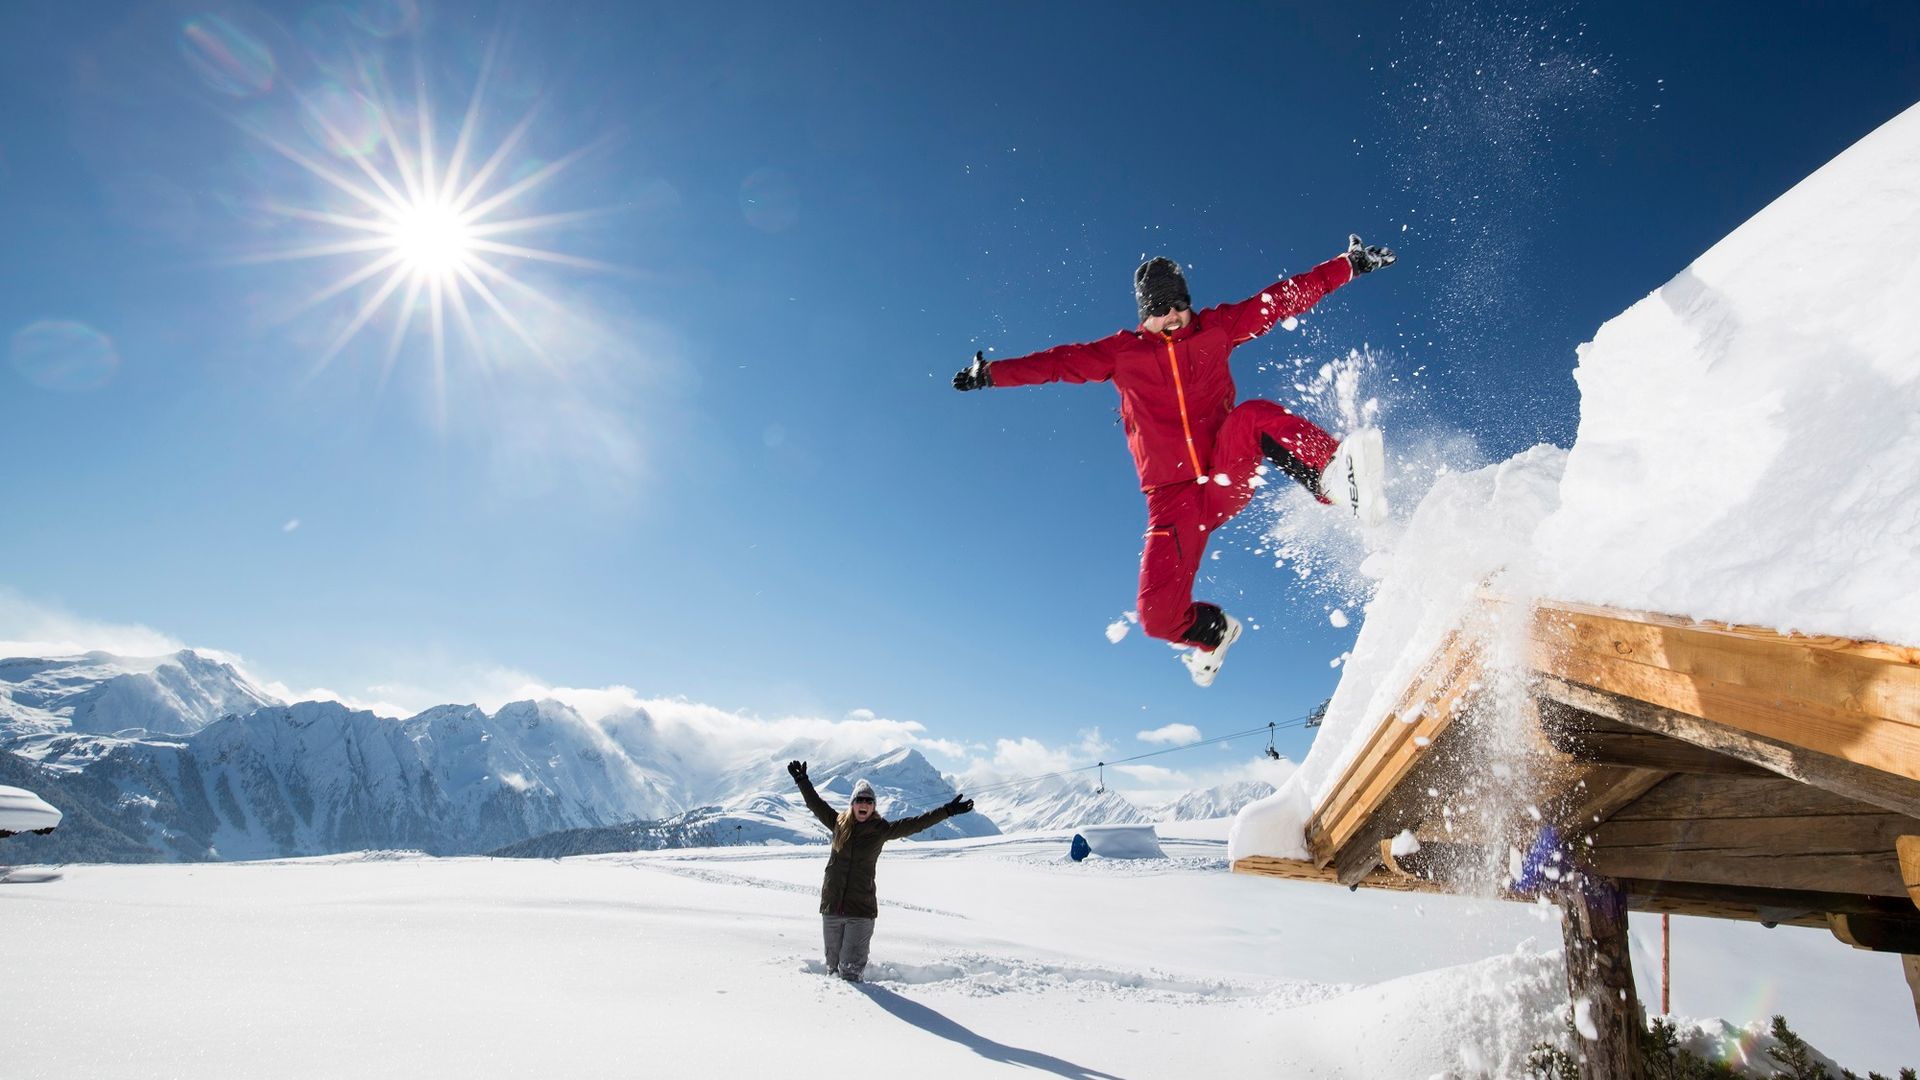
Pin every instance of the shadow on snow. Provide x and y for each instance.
(934, 1023)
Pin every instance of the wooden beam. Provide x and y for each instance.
(1878, 933)
(1589, 737)
(1907, 850)
(1305, 870)
(1423, 713)
(1772, 906)
(1607, 1017)
(1603, 792)
(1858, 701)
(1825, 771)
(1910, 965)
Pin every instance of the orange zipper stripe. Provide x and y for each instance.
(1180, 394)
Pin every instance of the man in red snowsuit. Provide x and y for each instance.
(1196, 451)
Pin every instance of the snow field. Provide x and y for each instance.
(993, 957)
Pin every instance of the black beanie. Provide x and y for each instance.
(1158, 283)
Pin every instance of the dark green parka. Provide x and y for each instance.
(849, 887)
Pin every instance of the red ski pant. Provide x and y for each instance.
(1181, 518)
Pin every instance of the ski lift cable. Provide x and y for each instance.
(1267, 729)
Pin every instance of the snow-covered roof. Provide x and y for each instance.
(1748, 452)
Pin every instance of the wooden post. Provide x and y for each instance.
(1910, 964)
(1666, 965)
(1607, 1019)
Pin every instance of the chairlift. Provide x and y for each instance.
(1271, 752)
(1102, 789)
(1318, 714)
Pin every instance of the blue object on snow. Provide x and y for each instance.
(1080, 849)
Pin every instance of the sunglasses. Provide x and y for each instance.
(1163, 309)
(863, 799)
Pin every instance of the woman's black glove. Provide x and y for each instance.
(797, 770)
(974, 376)
(1366, 259)
(959, 806)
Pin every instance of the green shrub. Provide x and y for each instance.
(1665, 1059)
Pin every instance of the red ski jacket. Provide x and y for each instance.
(1175, 389)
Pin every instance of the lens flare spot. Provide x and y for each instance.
(227, 58)
(332, 40)
(343, 121)
(58, 354)
(770, 201)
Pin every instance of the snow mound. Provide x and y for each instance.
(1123, 841)
(1480, 1019)
(1749, 441)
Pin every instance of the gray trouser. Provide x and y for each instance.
(848, 939)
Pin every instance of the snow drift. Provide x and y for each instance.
(1749, 441)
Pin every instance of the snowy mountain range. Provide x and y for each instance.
(1214, 802)
(175, 694)
(181, 757)
(772, 812)
(1054, 803)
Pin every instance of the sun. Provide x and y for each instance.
(433, 240)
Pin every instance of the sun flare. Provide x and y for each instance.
(423, 231)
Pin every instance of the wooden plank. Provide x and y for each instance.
(1854, 646)
(1837, 698)
(1876, 743)
(1693, 797)
(1587, 737)
(1305, 870)
(1824, 771)
(1388, 738)
(1884, 679)
(1867, 874)
(1761, 836)
(1430, 703)
(1768, 832)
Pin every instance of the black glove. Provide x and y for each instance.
(974, 376)
(1366, 259)
(958, 806)
(797, 770)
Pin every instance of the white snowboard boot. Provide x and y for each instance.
(1204, 664)
(1356, 477)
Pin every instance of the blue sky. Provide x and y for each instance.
(728, 466)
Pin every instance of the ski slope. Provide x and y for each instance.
(994, 957)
